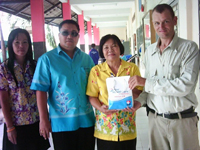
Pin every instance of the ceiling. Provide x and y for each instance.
(103, 13)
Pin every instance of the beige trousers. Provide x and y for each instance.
(173, 134)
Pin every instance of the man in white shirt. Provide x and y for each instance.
(171, 74)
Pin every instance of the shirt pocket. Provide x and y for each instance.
(153, 73)
(173, 71)
(84, 74)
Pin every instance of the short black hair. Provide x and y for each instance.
(69, 22)
(93, 45)
(107, 37)
(162, 7)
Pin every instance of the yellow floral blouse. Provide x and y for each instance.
(118, 125)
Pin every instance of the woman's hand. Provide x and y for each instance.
(101, 107)
(12, 136)
(136, 106)
(45, 128)
(4, 101)
(104, 109)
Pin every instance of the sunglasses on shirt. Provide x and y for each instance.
(66, 33)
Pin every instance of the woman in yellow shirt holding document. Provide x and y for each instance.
(115, 129)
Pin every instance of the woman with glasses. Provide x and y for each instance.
(19, 106)
(114, 129)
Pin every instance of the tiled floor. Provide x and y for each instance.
(142, 131)
(142, 124)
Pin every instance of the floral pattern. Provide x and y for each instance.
(63, 101)
(120, 123)
(22, 100)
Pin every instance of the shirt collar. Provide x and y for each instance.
(104, 66)
(17, 65)
(174, 41)
(171, 45)
(123, 65)
(59, 50)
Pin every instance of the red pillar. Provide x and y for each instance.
(66, 8)
(98, 40)
(95, 34)
(89, 29)
(147, 31)
(38, 31)
(82, 32)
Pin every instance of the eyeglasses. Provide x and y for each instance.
(66, 33)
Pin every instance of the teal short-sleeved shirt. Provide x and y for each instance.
(65, 80)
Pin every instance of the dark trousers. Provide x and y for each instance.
(116, 145)
(81, 139)
(28, 138)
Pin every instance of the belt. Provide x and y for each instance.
(184, 114)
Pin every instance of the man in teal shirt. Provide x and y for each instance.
(63, 73)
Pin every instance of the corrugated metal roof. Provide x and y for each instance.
(21, 8)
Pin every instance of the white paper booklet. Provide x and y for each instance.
(119, 94)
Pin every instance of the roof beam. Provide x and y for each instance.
(119, 24)
(110, 19)
(53, 4)
(77, 10)
(13, 2)
(49, 2)
(107, 12)
(52, 7)
(53, 18)
(22, 9)
(76, 2)
(112, 27)
(11, 11)
(74, 16)
(86, 18)
(57, 17)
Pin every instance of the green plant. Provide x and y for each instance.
(50, 37)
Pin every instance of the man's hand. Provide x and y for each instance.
(45, 128)
(136, 81)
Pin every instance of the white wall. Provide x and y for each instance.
(120, 32)
(182, 19)
(195, 22)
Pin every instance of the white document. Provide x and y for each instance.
(119, 94)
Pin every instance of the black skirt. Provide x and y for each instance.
(28, 138)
